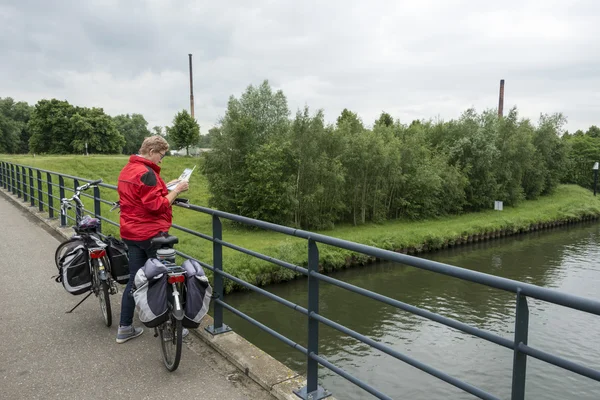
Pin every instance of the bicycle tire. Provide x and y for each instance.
(58, 253)
(170, 339)
(104, 296)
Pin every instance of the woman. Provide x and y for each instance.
(145, 212)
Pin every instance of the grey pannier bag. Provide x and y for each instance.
(74, 267)
(198, 294)
(150, 294)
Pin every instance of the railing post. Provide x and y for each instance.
(519, 358)
(97, 211)
(312, 390)
(31, 188)
(219, 326)
(78, 210)
(12, 179)
(61, 193)
(1, 173)
(50, 198)
(39, 181)
(18, 176)
(24, 178)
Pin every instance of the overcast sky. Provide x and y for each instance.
(414, 59)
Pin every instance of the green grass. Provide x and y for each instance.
(569, 202)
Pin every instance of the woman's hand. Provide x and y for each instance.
(172, 182)
(182, 187)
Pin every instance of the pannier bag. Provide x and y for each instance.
(119, 261)
(198, 294)
(150, 293)
(74, 267)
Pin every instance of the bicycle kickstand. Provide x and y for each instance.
(72, 309)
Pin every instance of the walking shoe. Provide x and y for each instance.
(128, 332)
(184, 332)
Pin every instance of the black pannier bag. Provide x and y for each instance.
(197, 296)
(150, 293)
(74, 267)
(119, 261)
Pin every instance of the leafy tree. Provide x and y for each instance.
(259, 117)
(14, 134)
(134, 129)
(59, 128)
(157, 130)
(385, 119)
(97, 129)
(185, 131)
(351, 120)
(50, 127)
(594, 131)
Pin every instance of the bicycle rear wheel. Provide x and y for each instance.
(170, 334)
(103, 295)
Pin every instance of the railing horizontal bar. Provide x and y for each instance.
(203, 264)
(265, 328)
(192, 232)
(66, 176)
(550, 295)
(110, 203)
(509, 344)
(560, 362)
(271, 296)
(265, 258)
(86, 195)
(349, 377)
(108, 220)
(417, 364)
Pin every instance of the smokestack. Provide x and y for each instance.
(191, 89)
(501, 100)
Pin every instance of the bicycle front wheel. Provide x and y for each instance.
(170, 334)
(103, 295)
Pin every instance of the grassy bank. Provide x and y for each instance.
(568, 203)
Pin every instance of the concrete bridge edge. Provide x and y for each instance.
(259, 366)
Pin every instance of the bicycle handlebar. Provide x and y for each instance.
(65, 202)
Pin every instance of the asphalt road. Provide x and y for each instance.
(48, 354)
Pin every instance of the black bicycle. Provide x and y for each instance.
(171, 331)
(87, 232)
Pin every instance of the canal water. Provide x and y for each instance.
(566, 259)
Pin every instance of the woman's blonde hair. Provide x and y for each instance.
(154, 142)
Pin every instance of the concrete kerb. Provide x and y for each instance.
(262, 368)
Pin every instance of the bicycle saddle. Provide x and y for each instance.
(164, 241)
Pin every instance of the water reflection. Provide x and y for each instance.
(563, 259)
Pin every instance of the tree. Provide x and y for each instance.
(185, 131)
(97, 129)
(384, 119)
(14, 134)
(50, 127)
(157, 130)
(594, 131)
(258, 117)
(352, 121)
(134, 129)
(59, 128)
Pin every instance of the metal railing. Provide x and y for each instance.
(19, 180)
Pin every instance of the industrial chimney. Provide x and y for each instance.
(501, 100)
(191, 89)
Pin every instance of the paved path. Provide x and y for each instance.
(47, 354)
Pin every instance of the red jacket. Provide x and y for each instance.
(145, 211)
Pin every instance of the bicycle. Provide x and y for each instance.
(87, 230)
(171, 331)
